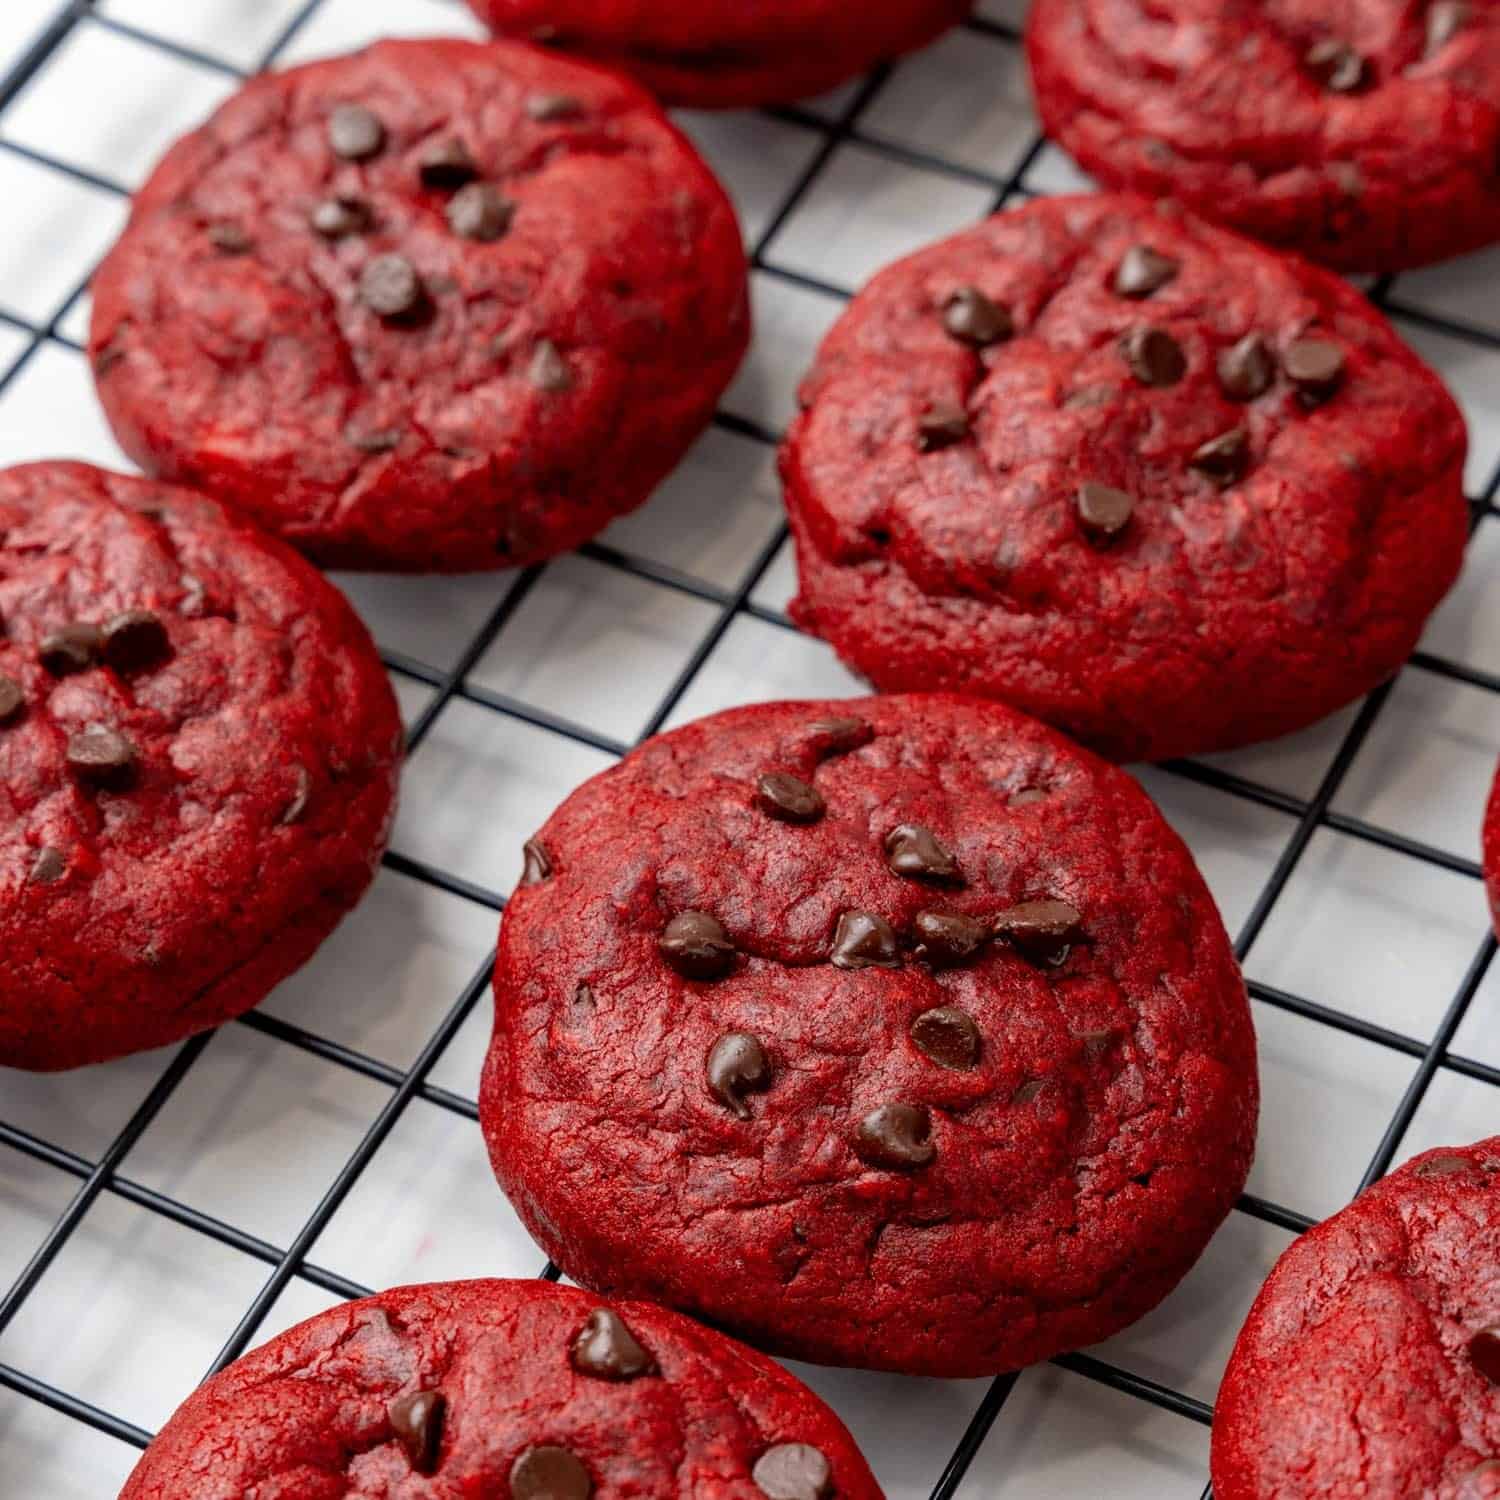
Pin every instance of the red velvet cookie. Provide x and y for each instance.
(502, 1390)
(1370, 1361)
(1365, 134)
(437, 305)
(198, 757)
(897, 1032)
(720, 54)
(1168, 490)
(1491, 855)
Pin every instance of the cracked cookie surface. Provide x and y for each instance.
(896, 1032)
(198, 760)
(1369, 1363)
(1365, 134)
(518, 1389)
(1157, 485)
(435, 305)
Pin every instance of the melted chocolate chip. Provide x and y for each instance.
(548, 107)
(1028, 796)
(1143, 271)
(914, 851)
(942, 425)
(1247, 368)
(1315, 367)
(789, 799)
(1445, 19)
(548, 371)
(737, 1065)
(537, 866)
(302, 790)
(897, 1136)
(863, 941)
(12, 698)
(1043, 931)
(549, 1473)
(947, 939)
(1224, 458)
(1337, 66)
(101, 756)
(1103, 511)
(338, 218)
(229, 237)
(793, 1471)
(355, 133)
(134, 641)
(1154, 356)
(1484, 1354)
(390, 287)
(840, 736)
(480, 212)
(49, 867)
(382, 440)
(71, 649)
(607, 1348)
(417, 1421)
(948, 1036)
(1442, 1166)
(447, 164)
(971, 318)
(696, 945)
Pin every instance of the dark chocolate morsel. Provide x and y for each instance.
(1043, 931)
(1247, 368)
(548, 107)
(1337, 66)
(134, 641)
(381, 440)
(948, 1035)
(1484, 1353)
(538, 863)
(914, 851)
(338, 218)
(607, 1348)
(101, 756)
(793, 1471)
(229, 237)
(390, 287)
(447, 163)
(863, 941)
(1154, 356)
(896, 1136)
(971, 318)
(12, 698)
(1445, 19)
(1315, 367)
(74, 648)
(1225, 457)
(297, 804)
(946, 939)
(788, 798)
(355, 133)
(417, 1421)
(480, 212)
(548, 370)
(1143, 270)
(942, 425)
(48, 867)
(1103, 511)
(549, 1473)
(1442, 1166)
(696, 945)
(839, 736)
(737, 1065)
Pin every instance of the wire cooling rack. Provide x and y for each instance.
(161, 1215)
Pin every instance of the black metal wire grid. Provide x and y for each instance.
(104, 1175)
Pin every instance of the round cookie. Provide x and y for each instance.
(722, 54)
(897, 1032)
(1491, 854)
(520, 1390)
(1366, 135)
(1168, 490)
(198, 759)
(1369, 1362)
(436, 305)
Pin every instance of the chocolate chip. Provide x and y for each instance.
(1028, 796)
(607, 1348)
(947, 939)
(74, 648)
(1154, 356)
(896, 1136)
(1336, 65)
(382, 440)
(538, 863)
(840, 736)
(297, 805)
(12, 698)
(1225, 457)
(942, 425)
(971, 318)
(696, 945)
(793, 1471)
(48, 867)
(480, 212)
(1143, 270)
(1315, 367)
(1442, 1166)
(338, 218)
(417, 1420)
(102, 756)
(737, 1065)
(948, 1036)
(391, 288)
(1484, 1353)
(1043, 931)
(1445, 19)
(134, 641)
(547, 371)
(864, 941)
(355, 133)
(447, 164)
(1103, 511)
(914, 851)
(789, 799)
(1028, 1091)
(1246, 369)
(549, 1473)
(548, 107)
(229, 237)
